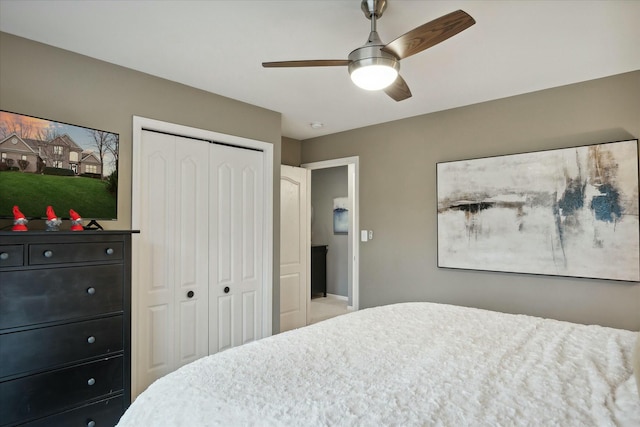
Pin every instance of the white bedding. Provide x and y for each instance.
(407, 364)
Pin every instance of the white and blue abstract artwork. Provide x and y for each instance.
(566, 212)
(341, 215)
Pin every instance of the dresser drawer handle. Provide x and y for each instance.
(91, 381)
(48, 253)
(91, 423)
(109, 251)
(4, 256)
(91, 339)
(91, 291)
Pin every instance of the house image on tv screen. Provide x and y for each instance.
(48, 163)
(33, 155)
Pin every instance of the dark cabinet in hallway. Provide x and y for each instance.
(319, 270)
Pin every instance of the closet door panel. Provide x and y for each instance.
(155, 288)
(173, 281)
(236, 209)
(191, 251)
(225, 323)
(158, 344)
(249, 226)
(252, 240)
(224, 225)
(249, 310)
(188, 335)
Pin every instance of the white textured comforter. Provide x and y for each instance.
(406, 365)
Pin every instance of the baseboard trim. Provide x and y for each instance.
(340, 297)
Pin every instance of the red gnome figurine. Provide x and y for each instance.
(19, 220)
(76, 221)
(53, 222)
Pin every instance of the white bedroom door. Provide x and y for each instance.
(172, 314)
(235, 246)
(295, 246)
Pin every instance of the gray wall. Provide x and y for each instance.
(398, 197)
(291, 152)
(44, 81)
(327, 184)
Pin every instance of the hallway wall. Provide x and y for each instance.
(327, 184)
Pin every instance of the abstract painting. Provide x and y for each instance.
(567, 212)
(341, 215)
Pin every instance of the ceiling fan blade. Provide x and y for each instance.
(398, 90)
(307, 63)
(429, 34)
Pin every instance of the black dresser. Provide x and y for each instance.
(65, 322)
(319, 270)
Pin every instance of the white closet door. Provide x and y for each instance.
(172, 310)
(235, 246)
(191, 294)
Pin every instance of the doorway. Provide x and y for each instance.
(352, 249)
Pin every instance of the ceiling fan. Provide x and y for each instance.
(375, 66)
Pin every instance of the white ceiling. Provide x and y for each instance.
(515, 47)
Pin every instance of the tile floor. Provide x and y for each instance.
(326, 308)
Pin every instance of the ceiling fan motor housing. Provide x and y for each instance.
(372, 54)
(373, 7)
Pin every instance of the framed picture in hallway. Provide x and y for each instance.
(566, 212)
(341, 215)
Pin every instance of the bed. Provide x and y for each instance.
(407, 364)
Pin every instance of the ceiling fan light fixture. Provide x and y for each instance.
(372, 69)
(374, 77)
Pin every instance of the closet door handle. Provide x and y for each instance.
(190, 294)
(226, 289)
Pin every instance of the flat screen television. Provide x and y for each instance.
(48, 163)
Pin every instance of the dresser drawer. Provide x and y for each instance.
(58, 253)
(42, 395)
(43, 348)
(11, 255)
(36, 296)
(105, 413)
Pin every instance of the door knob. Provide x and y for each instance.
(226, 289)
(190, 294)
